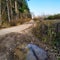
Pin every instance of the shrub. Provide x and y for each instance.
(40, 30)
(45, 31)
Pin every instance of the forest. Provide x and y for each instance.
(14, 12)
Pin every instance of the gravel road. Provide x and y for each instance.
(19, 28)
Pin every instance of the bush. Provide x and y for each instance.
(45, 31)
(40, 30)
(51, 17)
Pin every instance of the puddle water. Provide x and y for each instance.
(35, 53)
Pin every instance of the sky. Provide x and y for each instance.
(44, 7)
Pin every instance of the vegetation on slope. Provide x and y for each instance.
(47, 32)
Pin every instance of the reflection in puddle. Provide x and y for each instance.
(35, 53)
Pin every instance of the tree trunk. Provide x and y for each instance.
(16, 10)
(0, 13)
(8, 10)
(11, 10)
(0, 10)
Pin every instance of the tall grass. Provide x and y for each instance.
(46, 32)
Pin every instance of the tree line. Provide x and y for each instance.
(51, 17)
(14, 10)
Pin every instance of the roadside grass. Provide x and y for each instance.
(45, 31)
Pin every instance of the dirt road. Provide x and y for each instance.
(16, 28)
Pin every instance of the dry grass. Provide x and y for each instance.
(15, 22)
(43, 30)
